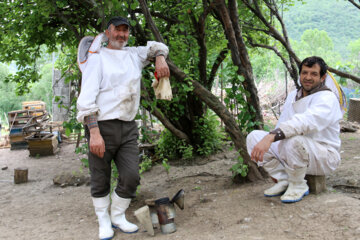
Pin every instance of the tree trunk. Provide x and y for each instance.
(230, 21)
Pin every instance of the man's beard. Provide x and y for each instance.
(117, 45)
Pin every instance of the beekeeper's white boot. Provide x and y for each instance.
(297, 188)
(118, 219)
(278, 189)
(101, 206)
(277, 171)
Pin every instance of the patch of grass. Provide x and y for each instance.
(352, 138)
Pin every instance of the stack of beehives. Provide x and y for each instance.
(17, 121)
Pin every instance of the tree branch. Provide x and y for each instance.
(279, 18)
(170, 20)
(354, 3)
(160, 116)
(200, 37)
(67, 23)
(149, 20)
(344, 74)
(275, 34)
(248, 25)
(220, 58)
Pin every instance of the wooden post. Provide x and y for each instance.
(316, 183)
(20, 175)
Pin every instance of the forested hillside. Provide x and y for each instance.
(339, 18)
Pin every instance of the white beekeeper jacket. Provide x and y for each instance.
(316, 116)
(111, 81)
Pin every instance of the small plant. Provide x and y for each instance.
(186, 151)
(85, 162)
(166, 165)
(239, 168)
(83, 149)
(145, 165)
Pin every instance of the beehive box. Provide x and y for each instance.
(17, 139)
(42, 144)
(17, 120)
(354, 110)
(34, 105)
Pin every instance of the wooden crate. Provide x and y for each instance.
(42, 144)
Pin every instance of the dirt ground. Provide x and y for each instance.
(215, 208)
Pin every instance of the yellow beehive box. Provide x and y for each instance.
(34, 105)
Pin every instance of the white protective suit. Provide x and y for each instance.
(111, 80)
(311, 129)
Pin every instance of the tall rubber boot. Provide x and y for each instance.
(101, 206)
(277, 171)
(118, 208)
(297, 188)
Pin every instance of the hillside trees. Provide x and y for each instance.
(273, 27)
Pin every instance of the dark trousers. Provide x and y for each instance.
(121, 145)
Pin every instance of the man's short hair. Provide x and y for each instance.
(116, 21)
(310, 61)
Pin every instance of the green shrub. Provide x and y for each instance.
(207, 132)
(171, 147)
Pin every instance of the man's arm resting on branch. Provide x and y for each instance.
(96, 142)
(161, 67)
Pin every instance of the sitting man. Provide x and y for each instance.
(306, 139)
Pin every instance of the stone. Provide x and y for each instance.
(70, 179)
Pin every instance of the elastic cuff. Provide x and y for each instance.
(159, 53)
(279, 135)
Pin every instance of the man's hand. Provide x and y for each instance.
(262, 147)
(97, 144)
(161, 67)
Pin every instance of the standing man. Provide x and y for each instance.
(306, 139)
(107, 104)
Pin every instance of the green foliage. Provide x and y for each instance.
(209, 134)
(340, 19)
(235, 100)
(145, 165)
(114, 176)
(239, 168)
(316, 42)
(172, 147)
(85, 162)
(354, 49)
(263, 72)
(166, 165)
(83, 149)
(41, 90)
